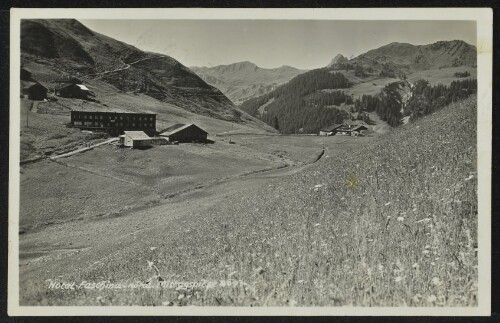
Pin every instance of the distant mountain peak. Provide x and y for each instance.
(243, 80)
(339, 58)
(243, 64)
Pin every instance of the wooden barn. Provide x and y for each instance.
(78, 91)
(34, 90)
(136, 139)
(329, 131)
(185, 133)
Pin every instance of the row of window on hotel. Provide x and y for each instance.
(119, 118)
(114, 124)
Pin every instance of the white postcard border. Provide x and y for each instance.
(484, 20)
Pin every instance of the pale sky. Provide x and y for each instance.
(305, 44)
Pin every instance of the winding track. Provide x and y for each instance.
(126, 67)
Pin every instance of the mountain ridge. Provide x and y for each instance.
(241, 81)
(55, 49)
(313, 99)
(398, 58)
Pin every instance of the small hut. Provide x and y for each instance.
(78, 91)
(136, 139)
(34, 90)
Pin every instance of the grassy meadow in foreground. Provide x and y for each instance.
(391, 223)
(387, 225)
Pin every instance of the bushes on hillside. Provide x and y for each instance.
(462, 74)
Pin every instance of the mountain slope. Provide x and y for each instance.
(402, 58)
(299, 106)
(55, 50)
(309, 102)
(244, 80)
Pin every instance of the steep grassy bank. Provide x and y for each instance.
(388, 224)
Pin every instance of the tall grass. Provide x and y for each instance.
(389, 224)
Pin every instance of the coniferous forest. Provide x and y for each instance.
(303, 106)
(298, 107)
(424, 99)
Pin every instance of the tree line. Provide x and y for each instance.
(299, 106)
(424, 99)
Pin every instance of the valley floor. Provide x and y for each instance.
(387, 220)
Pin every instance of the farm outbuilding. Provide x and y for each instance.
(136, 139)
(351, 130)
(185, 133)
(34, 90)
(78, 91)
(329, 131)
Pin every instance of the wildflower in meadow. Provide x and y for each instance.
(317, 186)
(436, 281)
(417, 298)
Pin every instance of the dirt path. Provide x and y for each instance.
(126, 67)
(380, 126)
(81, 150)
(34, 107)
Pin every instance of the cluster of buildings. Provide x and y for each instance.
(136, 130)
(70, 88)
(343, 130)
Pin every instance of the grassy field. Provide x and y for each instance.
(374, 85)
(370, 87)
(385, 222)
(110, 181)
(443, 76)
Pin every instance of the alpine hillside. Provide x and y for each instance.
(57, 50)
(382, 88)
(244, 80)
(397, 59)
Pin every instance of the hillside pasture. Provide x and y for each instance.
(371, 87)
(443, 76)
(109, 180)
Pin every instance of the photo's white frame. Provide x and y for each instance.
(484, 22)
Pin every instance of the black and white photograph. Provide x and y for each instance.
(250, 161)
